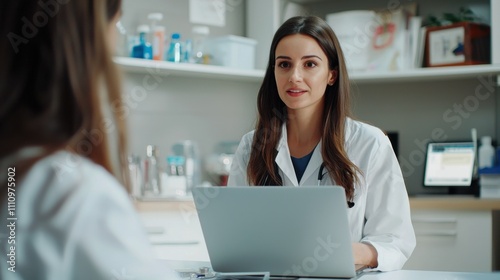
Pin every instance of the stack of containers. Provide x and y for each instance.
(489, 169)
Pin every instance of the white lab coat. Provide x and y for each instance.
(75, 221)
(381, 214)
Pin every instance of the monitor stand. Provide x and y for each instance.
(472, 190)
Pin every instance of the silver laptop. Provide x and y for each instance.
(286, 231)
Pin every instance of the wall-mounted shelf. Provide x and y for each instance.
(427, 74)
(166, 68)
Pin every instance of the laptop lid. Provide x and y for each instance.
(449, 164)
(286, 231)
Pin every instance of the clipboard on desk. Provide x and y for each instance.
(286, 231)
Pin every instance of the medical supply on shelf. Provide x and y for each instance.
(192, 167)
(143, 49)
(136, 176)
(157, 35)
(174, 53)
(232, 51)
(199, 53)
(489, 182)
(486, 153)
(176, 183)
(122, 43)
(152, 170)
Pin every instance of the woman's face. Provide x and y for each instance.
(302, 73)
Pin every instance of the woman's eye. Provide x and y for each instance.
(284, 64)
(310, 64)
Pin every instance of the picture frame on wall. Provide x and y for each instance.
(463, 43)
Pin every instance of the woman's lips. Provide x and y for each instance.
(295, 92)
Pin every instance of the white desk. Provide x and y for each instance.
(393, 275)
(428, 275)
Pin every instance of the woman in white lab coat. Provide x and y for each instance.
(65, 212)
(305, 136)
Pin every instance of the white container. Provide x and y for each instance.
(490, 185)
(355, 30)
(486, 153)
(232, 51)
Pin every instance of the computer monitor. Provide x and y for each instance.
(449, 165)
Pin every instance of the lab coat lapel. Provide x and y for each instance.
(313, 166)
(284, 161)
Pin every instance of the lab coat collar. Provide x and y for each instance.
(283, 158)
(284, 161)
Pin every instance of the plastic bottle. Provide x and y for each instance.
(143, 49)
(177, 181)
(157, 35)
(136, 177)
(174, 53)
(199, 52)
(486, 153)
(122, 47)
(152, 182)
(192, 168)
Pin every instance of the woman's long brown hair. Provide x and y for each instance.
(272, 113)
(57, 79)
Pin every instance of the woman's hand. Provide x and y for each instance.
(365, 254)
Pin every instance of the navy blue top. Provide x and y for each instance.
(300, 164)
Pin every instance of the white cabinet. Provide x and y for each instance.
(452, 240)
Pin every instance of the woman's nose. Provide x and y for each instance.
(295, 74)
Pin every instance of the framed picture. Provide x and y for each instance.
(461, 43)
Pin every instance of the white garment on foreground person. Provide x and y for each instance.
(380, 197)
(75, 221)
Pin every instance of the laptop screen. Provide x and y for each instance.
(449, 164)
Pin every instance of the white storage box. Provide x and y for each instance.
(354, 31)
(490, 185)
(232, 51)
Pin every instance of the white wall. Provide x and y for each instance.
(205, 110)
(176, 16)
(421, 111)
(210, 111)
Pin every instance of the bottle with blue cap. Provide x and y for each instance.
(143, 49)
(174, 53)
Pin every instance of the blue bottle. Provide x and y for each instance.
(143, 49)
(174, 53)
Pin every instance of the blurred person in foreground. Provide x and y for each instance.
(63, 149)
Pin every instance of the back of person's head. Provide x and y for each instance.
(57, 78)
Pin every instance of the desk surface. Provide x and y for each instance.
(421, 202)
(393, 275)
(454, 203)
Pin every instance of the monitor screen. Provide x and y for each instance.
(449, 164)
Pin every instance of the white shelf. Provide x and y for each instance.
(165, 68)
(426, 74)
